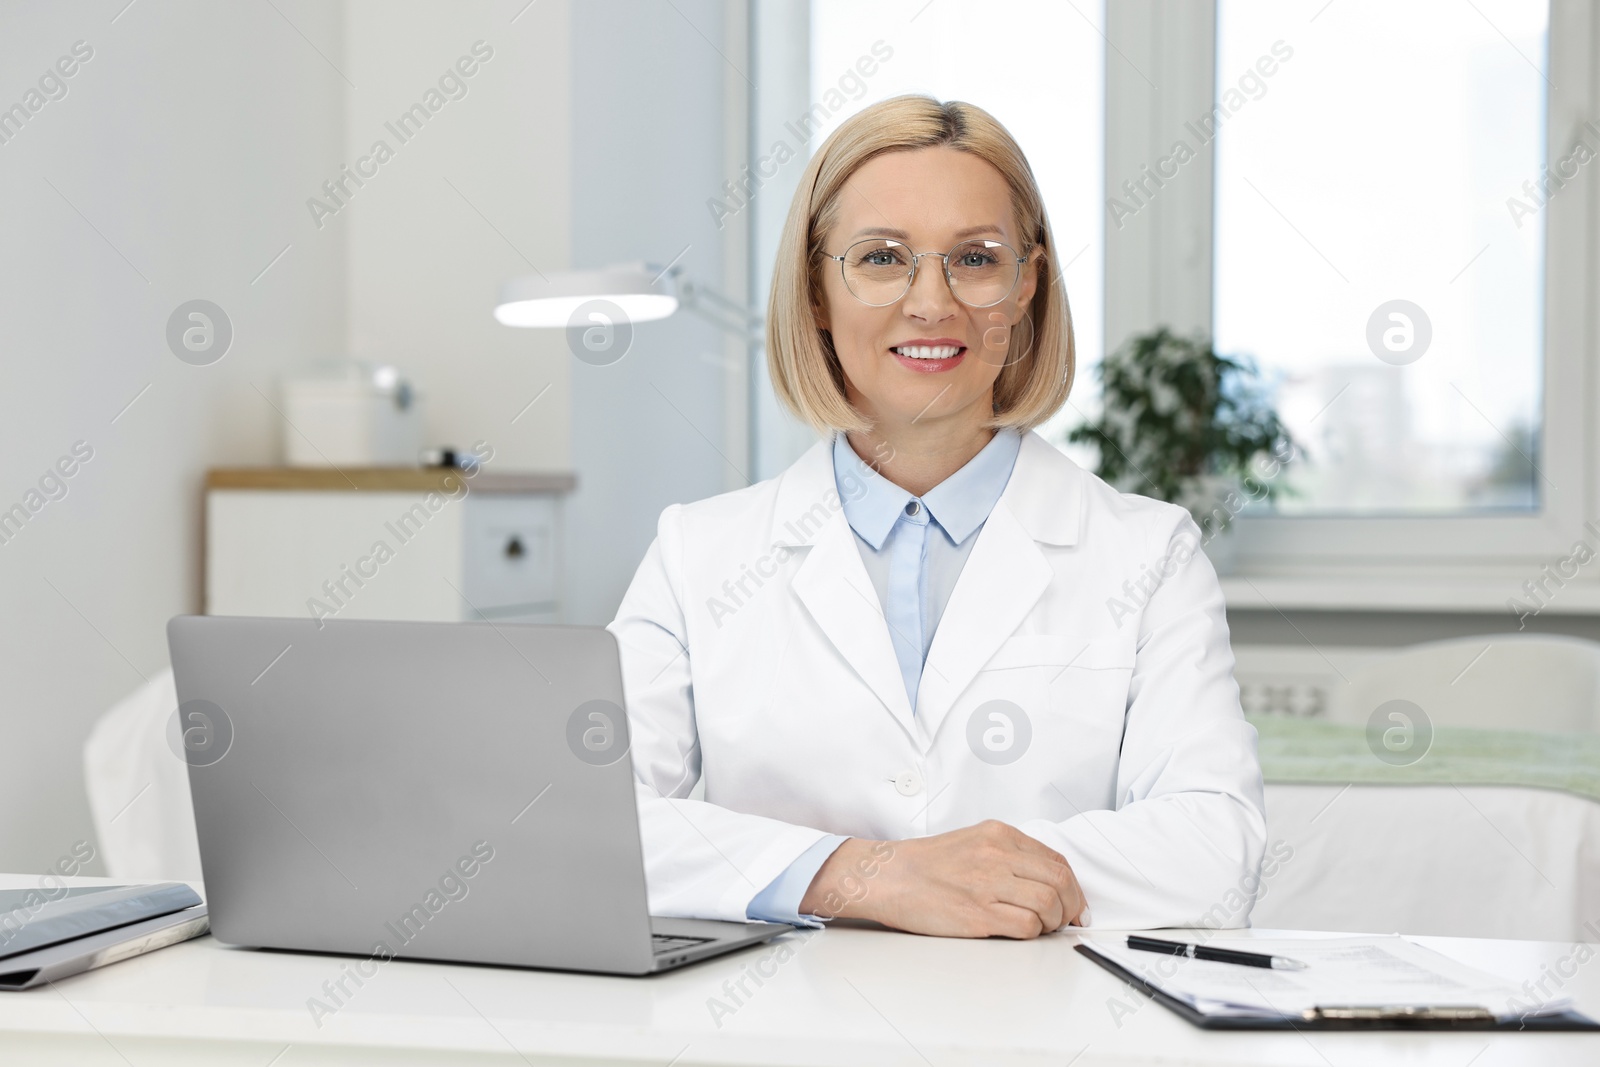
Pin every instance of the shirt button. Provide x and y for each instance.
(908, 783)
(913, 507)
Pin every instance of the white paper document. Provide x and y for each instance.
(1345, 972)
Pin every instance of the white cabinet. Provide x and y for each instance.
(384, 543)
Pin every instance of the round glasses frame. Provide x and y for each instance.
(944, 257)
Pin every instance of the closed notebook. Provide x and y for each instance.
(27, 970)
(32, 919)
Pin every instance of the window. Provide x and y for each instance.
(1395, 218)
(1379, 245)
(1370, 159)
(1053, 105)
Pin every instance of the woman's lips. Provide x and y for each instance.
(929, 360)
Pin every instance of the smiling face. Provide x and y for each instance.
(928, 358)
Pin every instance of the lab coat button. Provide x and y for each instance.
(908, 783)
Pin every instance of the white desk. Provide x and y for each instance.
(845, 996)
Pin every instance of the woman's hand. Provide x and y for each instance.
(986, 880)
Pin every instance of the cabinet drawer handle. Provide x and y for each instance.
(514, 549)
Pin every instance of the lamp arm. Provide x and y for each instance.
(714, 307)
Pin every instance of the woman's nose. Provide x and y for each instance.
(930, 298)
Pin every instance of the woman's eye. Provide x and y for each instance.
(880, 259)
(977, 259)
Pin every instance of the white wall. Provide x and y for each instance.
(191, 142)
(593, 136)
(647, 153)
(188, 142)
(480, 194)
(782, 49)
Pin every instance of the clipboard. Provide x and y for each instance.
(1401, 1017)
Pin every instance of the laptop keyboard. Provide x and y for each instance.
(667, 943)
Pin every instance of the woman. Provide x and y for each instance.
(934, 674)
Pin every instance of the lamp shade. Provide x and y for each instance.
(551, 300)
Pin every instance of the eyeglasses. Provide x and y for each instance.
(878, 271)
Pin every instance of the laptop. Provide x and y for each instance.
(417, 790)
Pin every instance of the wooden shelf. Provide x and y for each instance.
(386, 480)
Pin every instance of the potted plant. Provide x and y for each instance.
(1181, 423)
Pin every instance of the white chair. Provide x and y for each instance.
(138, 785)
(1462, 860)
(1468, 861)
(1495, 682)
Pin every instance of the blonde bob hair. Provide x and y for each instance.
(805, 369)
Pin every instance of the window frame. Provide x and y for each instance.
(1159, 271)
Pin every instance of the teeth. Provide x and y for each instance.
(928, 351)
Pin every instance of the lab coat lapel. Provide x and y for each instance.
(1004, 576)
(833, 585)
(832, 582)
(1002, 580)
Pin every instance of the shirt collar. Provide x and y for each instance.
(959, 504)
(962, 502)
(872, 503)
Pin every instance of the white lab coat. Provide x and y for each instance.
(755, 654)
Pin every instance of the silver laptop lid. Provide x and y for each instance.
(453, 791)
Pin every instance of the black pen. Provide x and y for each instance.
(1217, 955)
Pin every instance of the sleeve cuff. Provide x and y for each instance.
(780, 901)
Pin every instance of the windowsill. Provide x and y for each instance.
(1462, 592)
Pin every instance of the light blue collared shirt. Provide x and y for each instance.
(913, 548)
